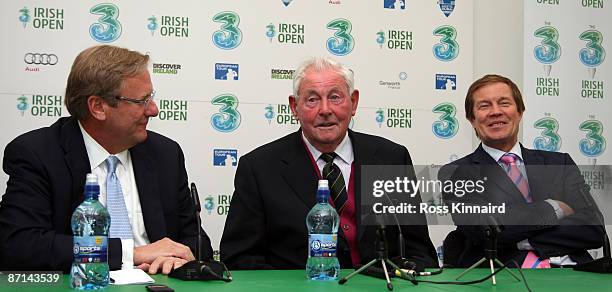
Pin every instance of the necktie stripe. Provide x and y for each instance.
(339, 193)
(337, 188)
(515, 175)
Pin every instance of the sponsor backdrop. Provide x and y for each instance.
(567, 80)
(222, 72)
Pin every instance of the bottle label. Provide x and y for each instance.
(322, 245)
(90, 249)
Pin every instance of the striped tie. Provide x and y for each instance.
(532, 261)
(509, 160)
(115, 203)
(332, 173)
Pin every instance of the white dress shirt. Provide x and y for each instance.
(344, 158)
(125, 173)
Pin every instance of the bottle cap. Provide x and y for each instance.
(323, 183)
(92, 189)
(91, 179)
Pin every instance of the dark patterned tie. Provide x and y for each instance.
(332, 173)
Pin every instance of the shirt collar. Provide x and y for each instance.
(496, 154)
(344, 149)
(96, 153)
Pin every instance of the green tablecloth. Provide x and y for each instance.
(294, 280)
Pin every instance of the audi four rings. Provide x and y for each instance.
(40, 59)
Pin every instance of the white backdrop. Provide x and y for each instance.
(392, 55)
(566, 86)
(567, 79)
(391, 80)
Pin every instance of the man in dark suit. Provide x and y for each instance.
(547, 220)
(275, 184)
(110, 98)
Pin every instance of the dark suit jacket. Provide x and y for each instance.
(47, 169)
(551, 175)
(275, 187)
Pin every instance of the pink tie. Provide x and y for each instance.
(532, 261)
(509, 160)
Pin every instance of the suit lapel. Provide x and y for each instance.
(537, 175)
(76, 158)
(298, 171)
(147, 182)
(496, 175)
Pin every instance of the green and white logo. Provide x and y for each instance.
(41, 105)
(108, 28)
(447, 49)
(549, 139)
(228, 118)
(447, 125)
(172, 110)
(594, 144)
(342, 43)
(43, 18)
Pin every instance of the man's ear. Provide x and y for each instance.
(293, 106)
(97, 107)
(354, 101)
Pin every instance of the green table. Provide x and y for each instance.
(294, 280)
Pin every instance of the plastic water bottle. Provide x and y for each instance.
(90, 223)
(322, 223)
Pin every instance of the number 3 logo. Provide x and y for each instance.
(448, 48)
(447, 126)
(594, 144)
(108, 29)
(228, 117)
(549, 140)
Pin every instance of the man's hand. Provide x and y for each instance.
(567, 210)
(165, 247)
(167, 264)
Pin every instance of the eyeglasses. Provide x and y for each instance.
(144, 101)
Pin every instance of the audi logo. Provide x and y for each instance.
(40, 59)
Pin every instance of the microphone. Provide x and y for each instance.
(400, 260)
(199, 269)
(198, 209)
(493, 228)
(604, 264)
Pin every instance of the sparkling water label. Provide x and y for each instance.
(90, 249)
(322, 245)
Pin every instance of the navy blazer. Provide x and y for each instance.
(551, 175)
(274, 189)
(47, 169)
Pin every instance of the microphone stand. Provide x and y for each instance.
(198, 269)
(490, 252)
(382, 257)
(604, 264)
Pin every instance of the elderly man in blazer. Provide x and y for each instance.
(275, 184)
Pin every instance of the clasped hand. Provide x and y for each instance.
(164, 255)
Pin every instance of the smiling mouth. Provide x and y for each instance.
(496, 124)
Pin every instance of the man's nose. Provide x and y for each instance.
(151, 109)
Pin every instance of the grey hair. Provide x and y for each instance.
(319, 64)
